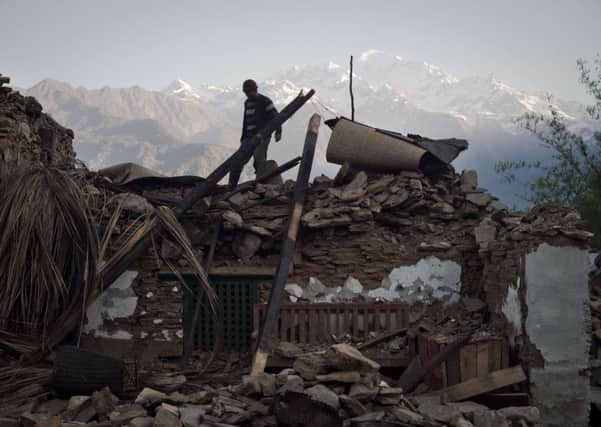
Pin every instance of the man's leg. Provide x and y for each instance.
(260, 157)
(234, 177)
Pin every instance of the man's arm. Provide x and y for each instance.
(243, 124)
(271, 112)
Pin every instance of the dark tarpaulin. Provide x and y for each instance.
(445, 150)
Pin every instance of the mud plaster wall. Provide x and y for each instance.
(151, 327)
(369, 255)
(558, 324)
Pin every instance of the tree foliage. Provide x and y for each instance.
(572, 175)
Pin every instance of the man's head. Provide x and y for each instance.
(250, 89)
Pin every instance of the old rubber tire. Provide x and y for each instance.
(81, 372)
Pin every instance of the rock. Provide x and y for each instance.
(383, 294)
(380, 185)
(443, 208)
(370, 417)
(496, 205)
(76, 401)
(191, 415)
(468, 409)
(352, 285)
(480, 199)
(51, 407)
(489, 419)
(123, 414)
(167, 416)
(322, 179)
(406, 416)
(469, 180)
(389, 395)
(262, 384)
(438, 412)
(577, 234)
(435, 246)
(238, 200)
(395, 200)
(294, 291)
(288, 350)
(485, 233)
(292, 383)
(141, 422)
(315, 287)
(460, 422)
(104, 402)
(148, 397)
(362, 392)
(246, 244)
(80, 409)
(345, 174)
(165, 382)
(341, 377)
(345, 357)
(358, 182)
(323, 394)
(352, 406)
(233, 218)
(310, 365)
(531, 414)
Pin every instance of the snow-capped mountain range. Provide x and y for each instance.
(187, 129)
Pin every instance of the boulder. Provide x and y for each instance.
(350, 377)
(530, 414)
(321, 393)
(141, 422)
(149, 396)
(469, 180)
(352, 285)
(352, 406)
(310, 365)
(191, 415)
(288, 350)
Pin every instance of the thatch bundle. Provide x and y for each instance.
(47, 256)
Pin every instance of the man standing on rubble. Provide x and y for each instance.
(258, 111)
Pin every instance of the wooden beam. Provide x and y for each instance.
(493, 381)
(272, 313)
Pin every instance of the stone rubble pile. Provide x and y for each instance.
(336, 387)
(21, 124)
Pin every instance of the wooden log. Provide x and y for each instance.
(270, 323)
(493, 381)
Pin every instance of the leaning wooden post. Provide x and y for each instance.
(272, 313)
(206, 187)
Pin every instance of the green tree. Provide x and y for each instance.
(572, 176)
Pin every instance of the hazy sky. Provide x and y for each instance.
(531, 44)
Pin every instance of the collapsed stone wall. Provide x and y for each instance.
(23, 126)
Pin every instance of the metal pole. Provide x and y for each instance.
(350, 86)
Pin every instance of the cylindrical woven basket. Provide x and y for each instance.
(366, 148)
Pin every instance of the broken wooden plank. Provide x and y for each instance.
(409, 381)
(270, 323)
(383, 337)
(493, 381)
